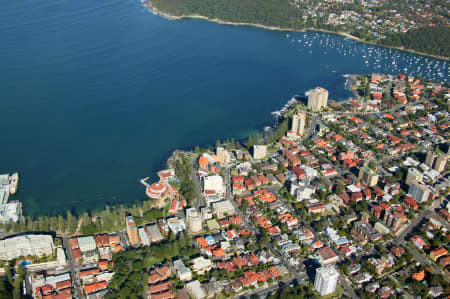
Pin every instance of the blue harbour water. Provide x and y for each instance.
(96, 94)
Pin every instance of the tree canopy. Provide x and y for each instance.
(431, 40)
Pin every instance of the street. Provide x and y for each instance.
(266, 290)
(405, 231)
(299, 276)
(194, 178)
(254, 230)
(73, 269)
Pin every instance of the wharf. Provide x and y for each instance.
(144, 182)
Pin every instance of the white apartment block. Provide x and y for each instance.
(34, 245)
(326, 280)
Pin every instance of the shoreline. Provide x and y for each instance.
(166, 163)
(277, 28)
(353, 86)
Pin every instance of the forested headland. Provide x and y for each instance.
(276, 13)
(430, 40)
(296, 15)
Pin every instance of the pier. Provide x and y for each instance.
(144, 182)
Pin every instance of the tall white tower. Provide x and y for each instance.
(326, 280)
(317, 98)
(298, 123)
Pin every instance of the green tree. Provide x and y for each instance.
(137, 265)
(72, 222)
(172, 237)
(17, 284)
(4, 289)
(322, 194)
(8, 274)
(250, 142)
(263, 241)
(29, 223)
(152, 215)
(125, 292)
(250, 246)
(245, 205)
(98, 224)
(319, 226)
(181, 240)
(367, 92)
(144, 281)
(54, 223)
(233, 145)
(340, 189)
(89, 229)
(61, 224)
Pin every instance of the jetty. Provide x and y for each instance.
(144, 182)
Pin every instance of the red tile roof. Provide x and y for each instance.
(90, 288)
(411, 202)
(89, 272)
(63, 284)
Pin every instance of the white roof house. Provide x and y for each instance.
(195, 289)
(201, 265)
(176, 225)
(183, 273)
(54, 279)
(223, 208)
(86, 243)
(143, 236)
(214, 182)
(154, 232)
(9, 212)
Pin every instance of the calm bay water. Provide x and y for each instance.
(96, 94)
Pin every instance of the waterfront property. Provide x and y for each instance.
(10, 211)
(333, 198)
(55, 178)
(32, 245)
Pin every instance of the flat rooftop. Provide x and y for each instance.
(4, 179)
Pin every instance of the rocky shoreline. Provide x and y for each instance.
(167, 16)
